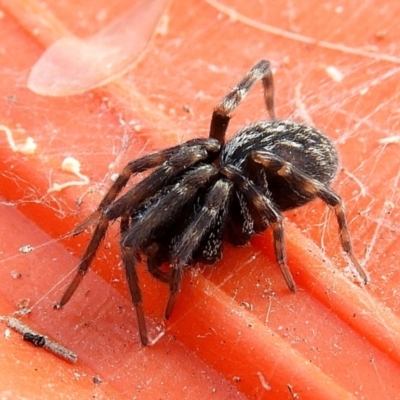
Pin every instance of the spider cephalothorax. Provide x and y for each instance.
(205, 191)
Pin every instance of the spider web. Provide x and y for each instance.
(338, 71)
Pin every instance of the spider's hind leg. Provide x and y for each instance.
(310, 188)
(264, 214)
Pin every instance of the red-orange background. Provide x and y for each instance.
(237, 331)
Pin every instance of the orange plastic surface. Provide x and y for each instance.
(237, 332)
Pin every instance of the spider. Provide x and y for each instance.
(207, 191)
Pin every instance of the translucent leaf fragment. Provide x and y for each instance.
(72, 65)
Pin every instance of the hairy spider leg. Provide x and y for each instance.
(184, 157)
(171, 165)
(129, 262)
(221, 115)
(214, 211)
(154, 219)
(269, 215)
(142, 164)
(312, 187)
(149, 161)
(241, 223)
(169, 206)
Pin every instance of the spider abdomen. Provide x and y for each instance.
(300, 146)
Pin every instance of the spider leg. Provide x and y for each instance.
(221, 115)
(199, 149)
(267, 215)
(151, 160)
(174, 160)
(174, 288)
(86, 260)
(155, 258)
(129, 258)
(154, 219)
(313, 188)
(182, 159)
(181, 194)
(210, 220)
(241, 223)
(129, 261)
(174, 202)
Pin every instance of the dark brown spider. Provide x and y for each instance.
(205, 191)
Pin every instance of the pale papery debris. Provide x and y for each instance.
(334, 73)
(28, 148)
(26, 249)
(72, 165)
(263, 381)
(390, 140)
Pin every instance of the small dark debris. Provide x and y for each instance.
(37, 340)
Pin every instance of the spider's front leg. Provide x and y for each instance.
(173, 161)
(310, 187)
(221, 115)
(196, 149)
